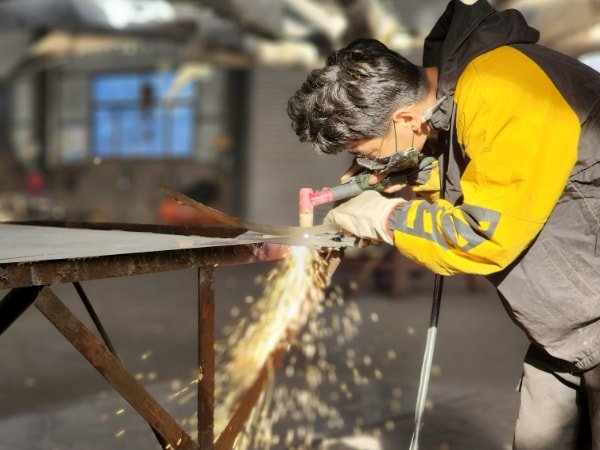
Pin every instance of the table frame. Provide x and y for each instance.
(30, 285)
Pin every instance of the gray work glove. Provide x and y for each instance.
(366, 216)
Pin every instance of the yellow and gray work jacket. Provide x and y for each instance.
(520, 133)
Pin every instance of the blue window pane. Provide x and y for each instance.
(150, 134)
(116, 87)
(124, 127)
(159, 133)
(182, 131)
(130, 133)
(161, 83)
(188, 91)
(103, 133)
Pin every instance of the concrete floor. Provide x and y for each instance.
(53, 399)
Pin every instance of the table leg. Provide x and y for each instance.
(112, 370)
(206, 357)
(16, 303)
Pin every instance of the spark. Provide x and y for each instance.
(288, 316)
(295, 286)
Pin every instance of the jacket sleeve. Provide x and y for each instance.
(520, 137)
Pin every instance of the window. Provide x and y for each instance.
(130, 120)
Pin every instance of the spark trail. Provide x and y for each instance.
(286, 334)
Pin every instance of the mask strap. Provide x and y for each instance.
(395, 138)
(428, 113)
(383, 139)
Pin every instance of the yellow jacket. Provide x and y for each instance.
(520, 137)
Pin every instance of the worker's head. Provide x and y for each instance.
(367, 99)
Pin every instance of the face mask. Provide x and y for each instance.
(398, 162)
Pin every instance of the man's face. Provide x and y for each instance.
(375, 153)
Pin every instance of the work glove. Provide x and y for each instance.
(366, 216)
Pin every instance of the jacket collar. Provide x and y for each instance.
(462, 33)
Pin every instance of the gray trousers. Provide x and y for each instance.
(559, 410)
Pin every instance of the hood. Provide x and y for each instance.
(461, 34)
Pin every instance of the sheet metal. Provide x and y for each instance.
(28, 243)
(320, 235)
(43, 273)
(35, 256)
(23, 243)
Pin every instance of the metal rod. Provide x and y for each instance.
(16, 303)
(106, 339)
(206, 357)
(90, 309)
(427, 362)
(112, 370)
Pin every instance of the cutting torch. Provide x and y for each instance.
(351, 188)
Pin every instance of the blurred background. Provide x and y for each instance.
(103, 100)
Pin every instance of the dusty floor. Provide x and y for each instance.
(52, 399)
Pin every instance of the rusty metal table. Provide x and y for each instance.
(33, 257)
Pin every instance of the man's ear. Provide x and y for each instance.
(407, 117)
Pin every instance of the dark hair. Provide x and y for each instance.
(354, 96)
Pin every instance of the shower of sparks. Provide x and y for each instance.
(304, 392)
(290, 314)
(302, 398)
(292, 290)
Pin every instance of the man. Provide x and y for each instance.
(518, 127)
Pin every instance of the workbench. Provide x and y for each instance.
(34, 257)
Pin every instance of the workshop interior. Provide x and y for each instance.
(166, 277)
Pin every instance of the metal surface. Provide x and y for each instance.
(30, 277)
(182, 230)
(37, 269)
(112, 370)
(28, 243)
(70, 270)
(206, 357)
(303, 234)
